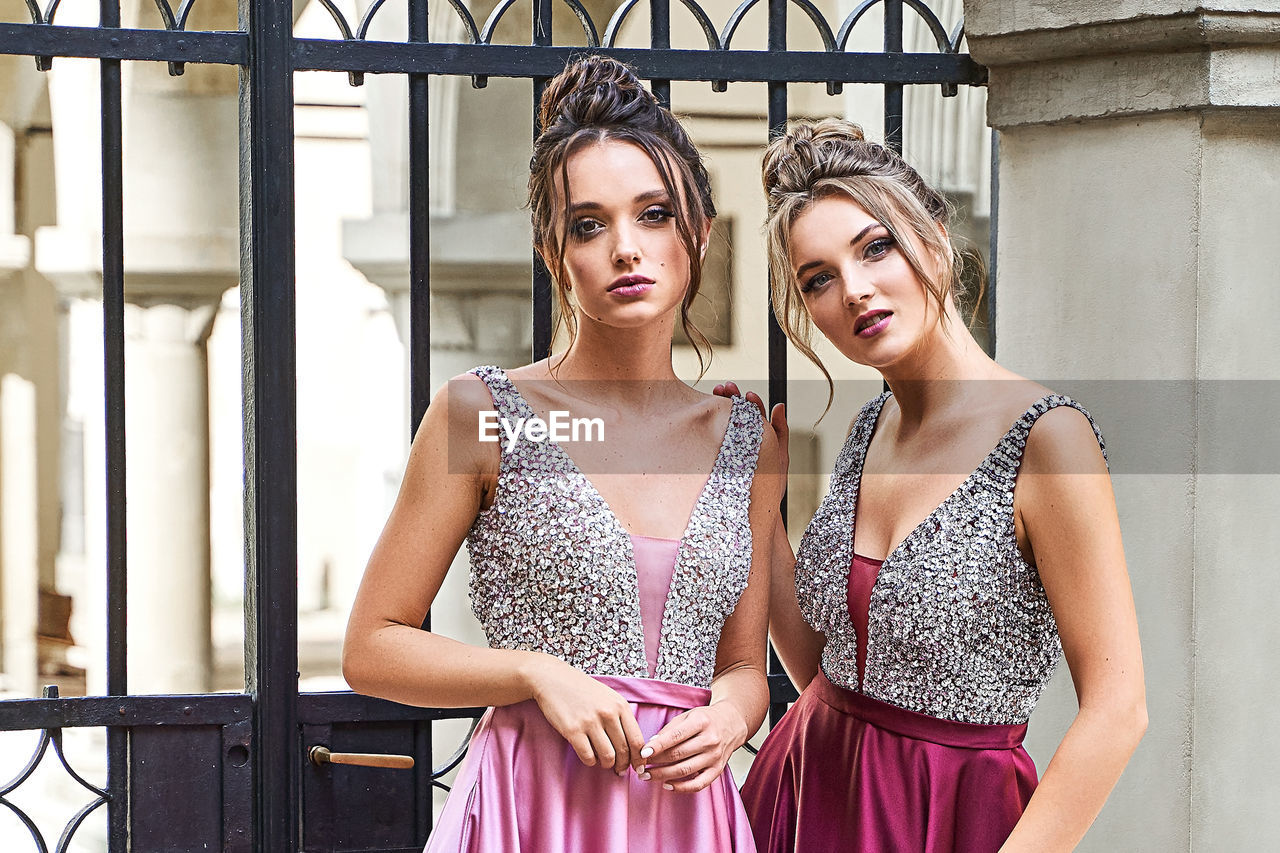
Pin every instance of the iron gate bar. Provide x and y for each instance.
(112, 154)
(268, 327)
(497, 60)
(419, 233)
(893, 92)
(660, 39)
(225, 48)
(747, 66)
(205, 709)
(419, 333)
(781, 690)
(542, 303)
(991, 250)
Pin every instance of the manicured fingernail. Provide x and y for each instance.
(668, 786)
(646, 752)
(646, 776)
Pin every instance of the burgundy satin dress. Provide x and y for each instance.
(909, 739)
(844, 772)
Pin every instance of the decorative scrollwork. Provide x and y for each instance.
(833, 40)
(43, 18)
(699, 14)
(50, 736)
(946, 43)
(500, 11)
(361, 33)
(819, 22)
(179, 23)
(175, 24)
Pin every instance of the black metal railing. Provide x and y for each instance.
(261, 746)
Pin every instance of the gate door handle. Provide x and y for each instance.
(321, 755)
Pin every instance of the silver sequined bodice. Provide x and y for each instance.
(552, 568)
(959, 626)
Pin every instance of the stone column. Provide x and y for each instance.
(19, 569)
(1139, 203)
(19, 525)
(28, 391)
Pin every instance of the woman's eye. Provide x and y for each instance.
(657, 214)
(584, 228)
(815, 282)
(878, 248)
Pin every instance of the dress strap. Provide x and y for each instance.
(855, 445)
(507, 400)
(742, 439)
(1007, 457)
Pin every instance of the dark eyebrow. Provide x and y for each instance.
(643, 198)
(812, 264)
(651, 195)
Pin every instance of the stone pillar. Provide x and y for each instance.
(169, 585)
(1139, 203)
(28, 390)
(19, 568)
(19, 527)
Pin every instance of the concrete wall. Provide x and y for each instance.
(1139, 161)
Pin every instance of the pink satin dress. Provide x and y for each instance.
(553, 570)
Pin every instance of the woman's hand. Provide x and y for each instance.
(691, 751)
(596, 721)
(777, 419)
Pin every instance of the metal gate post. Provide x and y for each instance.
(270, 419)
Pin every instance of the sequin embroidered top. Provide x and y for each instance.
(959, 625)
(552, 568)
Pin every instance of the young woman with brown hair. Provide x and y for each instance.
(623, 588)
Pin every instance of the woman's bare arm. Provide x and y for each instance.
(798, 646)
(1066, 506)
(446, 481)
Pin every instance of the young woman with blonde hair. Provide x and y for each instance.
(969, 539)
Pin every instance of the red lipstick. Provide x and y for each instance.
(872, 323)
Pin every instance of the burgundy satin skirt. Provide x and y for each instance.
(844, 772)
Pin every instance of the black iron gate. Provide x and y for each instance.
(203, 772)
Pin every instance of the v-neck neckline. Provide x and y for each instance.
(613, 516)
(860, 463)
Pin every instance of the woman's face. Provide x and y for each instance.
(623, 257)
(857, 284)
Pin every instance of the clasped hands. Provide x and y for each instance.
(688, 754)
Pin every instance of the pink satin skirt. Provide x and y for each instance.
(844, 772)
(522, 788)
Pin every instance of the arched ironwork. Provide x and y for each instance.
(500, 11)
(699, 14)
